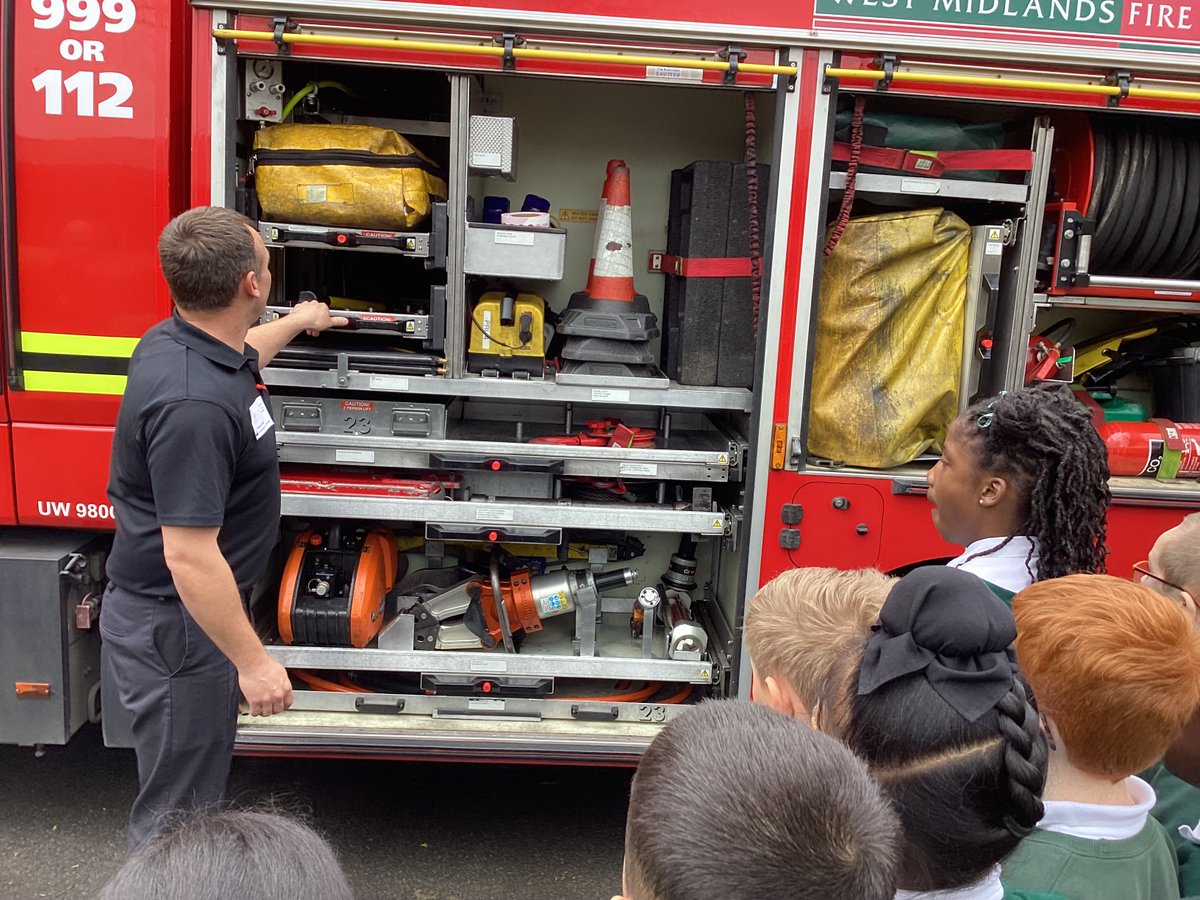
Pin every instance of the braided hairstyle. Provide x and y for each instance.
(967, 792)
(937, 708)
(1043, 441)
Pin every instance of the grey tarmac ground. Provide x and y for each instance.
(410, 831)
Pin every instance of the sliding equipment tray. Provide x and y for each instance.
(685, 456)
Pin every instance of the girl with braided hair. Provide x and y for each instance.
(937, 709)
(1116, 667)
(1023, 485)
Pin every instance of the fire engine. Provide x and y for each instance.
(573, 424)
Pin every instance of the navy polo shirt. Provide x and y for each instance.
(194, 445)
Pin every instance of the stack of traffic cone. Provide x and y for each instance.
(608, 323)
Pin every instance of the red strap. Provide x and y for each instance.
(935, 162)
(708, 267)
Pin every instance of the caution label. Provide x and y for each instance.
(584, 216)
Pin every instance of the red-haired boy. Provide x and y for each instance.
(1115, 668)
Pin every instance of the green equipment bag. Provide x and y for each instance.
(350, 176)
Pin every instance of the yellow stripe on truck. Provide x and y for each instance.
(73, 382)
(77, 344)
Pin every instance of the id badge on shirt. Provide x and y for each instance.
(260, 418)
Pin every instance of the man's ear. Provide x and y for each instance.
(1189, 603)
(250, 284)
(782, 697)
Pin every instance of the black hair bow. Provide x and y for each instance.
(948, 625)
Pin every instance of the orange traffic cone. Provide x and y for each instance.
(609, 307)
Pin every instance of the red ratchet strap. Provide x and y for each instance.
(934, 163)
(571, 440)
(708, 267)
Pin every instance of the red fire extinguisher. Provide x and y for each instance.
(1157, 449)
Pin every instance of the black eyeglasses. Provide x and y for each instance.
(1143, 568)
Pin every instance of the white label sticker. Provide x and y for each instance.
(486, 330)
(993, 248)
(919, 186)
(494, 515)
(639, 469)
(482, 159)
(260, 418)
(673, 73)
(354, 456)
(389, 383)
(494, 704)
(315, 193)
(524, 238)
(490, 665)
(610, 394)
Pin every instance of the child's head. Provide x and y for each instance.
(1173, 568)
(937, 710)
(232, 853)
(1030, 463)
(1115, 666)
(733, 799)
(800, 623)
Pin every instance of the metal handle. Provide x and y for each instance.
(910, 488)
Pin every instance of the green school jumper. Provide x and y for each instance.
(1138, 868)
(1003, 593)
(1178, 804)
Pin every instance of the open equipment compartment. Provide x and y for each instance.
(490, 558)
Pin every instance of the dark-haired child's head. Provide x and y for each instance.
(733, 799)
(936, 708)
(1116, 668)
(1030, 463)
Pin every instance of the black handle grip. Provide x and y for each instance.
(592, 714)
(363, 705)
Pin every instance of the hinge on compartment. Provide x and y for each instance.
(733, 54)
(510, 41)
(1121, 79)
(279, 26)
(887, 63)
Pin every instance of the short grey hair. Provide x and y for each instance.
(215, 855)
(1180, 556)
(205, 253)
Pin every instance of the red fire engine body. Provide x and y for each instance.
(118, 114)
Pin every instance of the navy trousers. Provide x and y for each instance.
(182, 693)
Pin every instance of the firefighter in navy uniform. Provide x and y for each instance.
(194, 481)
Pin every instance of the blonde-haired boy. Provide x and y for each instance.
(800, 623)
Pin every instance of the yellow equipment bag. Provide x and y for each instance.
(889, 338)
(352, 176)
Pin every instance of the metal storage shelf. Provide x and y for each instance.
(689, 456)
(516, 513)
(1165, 305)
(1185, 492)
(674, 397)
(617, 658)
(949, 188)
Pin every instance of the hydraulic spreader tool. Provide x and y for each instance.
(486, 611)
